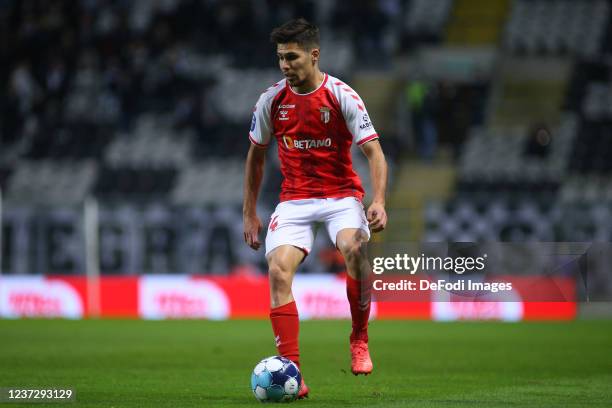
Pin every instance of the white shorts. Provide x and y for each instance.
(293, 222)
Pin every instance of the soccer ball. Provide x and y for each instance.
(276, 379)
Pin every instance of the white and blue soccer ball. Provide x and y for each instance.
(276, 379)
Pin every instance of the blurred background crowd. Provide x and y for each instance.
(496, 117)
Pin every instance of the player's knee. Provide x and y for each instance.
(280, 277)
(353, 251)
(352, 245)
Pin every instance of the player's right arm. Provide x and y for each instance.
(253, 174)
(259, 135)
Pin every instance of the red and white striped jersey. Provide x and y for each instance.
(314, 132)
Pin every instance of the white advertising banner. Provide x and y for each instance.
(323, 297)
(450, 311)
(180, 297)
(38, 296)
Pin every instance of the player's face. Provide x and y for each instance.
(296, 63)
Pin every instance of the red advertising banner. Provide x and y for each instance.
(318, 296)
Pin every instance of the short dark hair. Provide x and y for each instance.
(299, 31)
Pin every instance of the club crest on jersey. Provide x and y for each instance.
(325, 114)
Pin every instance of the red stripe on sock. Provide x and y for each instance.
(286, 328)
(359, 298)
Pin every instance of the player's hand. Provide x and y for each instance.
(377, 217)
(252, 228)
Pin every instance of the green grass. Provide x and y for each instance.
(417, 364)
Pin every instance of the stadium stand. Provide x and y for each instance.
(143, 103)
(425, 20)
(557, 27)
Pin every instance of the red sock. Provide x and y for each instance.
(359, 299)
(286, 328)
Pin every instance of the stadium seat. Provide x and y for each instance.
(49, 182)
(557, 27)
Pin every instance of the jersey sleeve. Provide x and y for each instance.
(261, 124)
(356, 117)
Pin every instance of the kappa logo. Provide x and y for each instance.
(366, 122)
(274, 223)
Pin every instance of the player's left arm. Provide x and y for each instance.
(376, 214)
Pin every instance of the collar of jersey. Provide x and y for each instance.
(311, 92)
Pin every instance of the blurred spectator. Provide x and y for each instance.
(106, 61)
(369, 23)
(421, 101)
(455, 114)
(538, 142)
(24, 87)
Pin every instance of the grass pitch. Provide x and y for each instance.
(416, 364)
